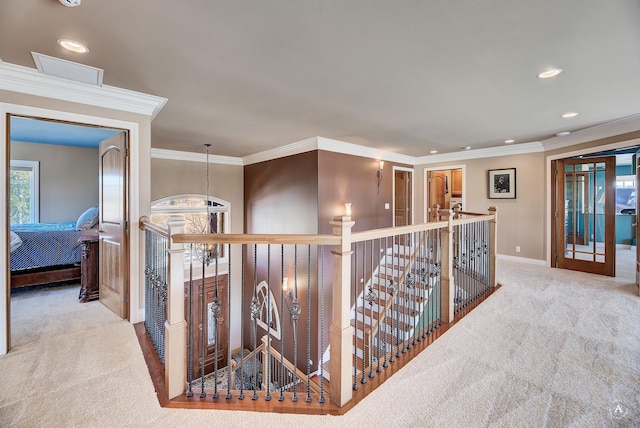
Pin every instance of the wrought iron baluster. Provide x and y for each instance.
(281, 383)
(242, 297)
(308, 399)
(268, 374)
(321, 324)
(255, 309)
(295, 310)
(203, 318)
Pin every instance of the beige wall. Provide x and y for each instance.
(68, 178)
(521, 220)
(175, 177)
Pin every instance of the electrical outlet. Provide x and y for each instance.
(517, 248)
(386, 206)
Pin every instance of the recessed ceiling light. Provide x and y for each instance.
(570, 114)
(466, 148)
(552, 72)
(563, 133)
(70, 3)
(73, 46)
(433, 151)
(509, 141)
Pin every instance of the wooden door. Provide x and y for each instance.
(636, 223)
(438, 183)
(203, 333)
(402, 198)
(114, 268)
(585, 206)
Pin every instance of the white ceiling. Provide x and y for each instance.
(406, 76)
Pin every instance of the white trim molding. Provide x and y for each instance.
(194, 157)
(514, 149)
(25, 80)
(537, 262)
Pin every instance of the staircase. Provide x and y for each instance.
(392, 304)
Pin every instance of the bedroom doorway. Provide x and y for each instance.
(69, 164)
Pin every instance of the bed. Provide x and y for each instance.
(46, 253)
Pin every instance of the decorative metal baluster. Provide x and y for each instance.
(268, 374)
(397, 301)
(321, 324)
(228, 303)
(244, 255)
(355, 312)
(255, 310)
(407, 294)
(203, 320)
(386, 291)
(295, 311)
(392, 289)
(308, 399)
(371, 297)
(190, 327)
(364, 311)
(216, 308)
(281, 383)
(379, 301)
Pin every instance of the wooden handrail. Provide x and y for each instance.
(146, 224)
(391, 231)
(223, 238)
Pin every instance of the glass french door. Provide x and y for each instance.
(586, 212)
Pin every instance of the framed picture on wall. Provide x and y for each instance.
(502, 183)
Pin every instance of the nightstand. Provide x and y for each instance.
(89, 287)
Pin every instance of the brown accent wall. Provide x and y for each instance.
(347, 178)
(302, 194)
(281, 196)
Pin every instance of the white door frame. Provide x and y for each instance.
(425, 186)
(134, 206)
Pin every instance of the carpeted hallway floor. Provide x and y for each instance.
(550, 348)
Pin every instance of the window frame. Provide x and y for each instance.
(225, 208)
(34, 188)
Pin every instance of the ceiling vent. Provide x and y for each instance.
(68, 69)
(70, 3)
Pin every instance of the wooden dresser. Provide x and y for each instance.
(89, 287)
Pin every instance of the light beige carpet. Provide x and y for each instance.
(550, 348)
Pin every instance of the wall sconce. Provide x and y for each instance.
(347, 209)
(285, 289)
(379, 173)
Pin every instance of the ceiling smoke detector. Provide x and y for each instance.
(70, 3)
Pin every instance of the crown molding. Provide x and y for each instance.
(16, 78)
(282, 151)
(597, 132)
(513, 149)
(343, 147)
(194, 157)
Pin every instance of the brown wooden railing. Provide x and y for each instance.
(374, 295)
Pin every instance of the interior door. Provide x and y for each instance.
(402, 198)
(438, 183)
(114, 269)
(636, 222)
(585, 234)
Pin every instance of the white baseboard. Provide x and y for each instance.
(137, 316)
(536, 262)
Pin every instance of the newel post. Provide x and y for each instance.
(341, 331)
(493, 246)
(447, 281)
(175, 328)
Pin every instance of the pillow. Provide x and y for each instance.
(15, 241)
(88, 219)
